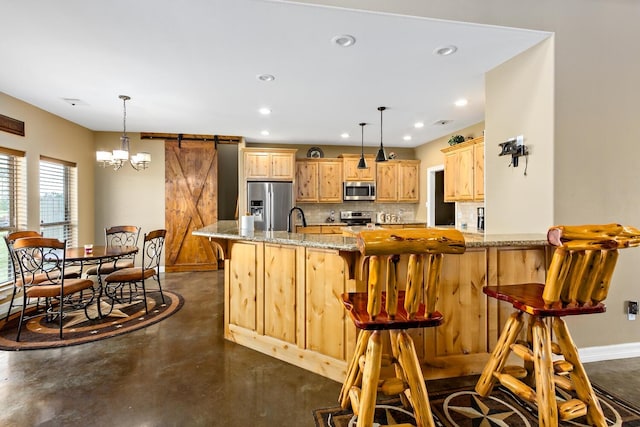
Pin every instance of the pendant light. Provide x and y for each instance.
(362, 164)
(381, 156)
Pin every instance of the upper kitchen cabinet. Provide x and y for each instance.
(319, 180)
(262, 164)
(351, 171)
(398, 181)
(464, 171)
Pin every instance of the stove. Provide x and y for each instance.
(356, 217)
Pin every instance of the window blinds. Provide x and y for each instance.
(13, 204)
(58, 200)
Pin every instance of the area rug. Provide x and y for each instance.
(77, 329)
(463, 407)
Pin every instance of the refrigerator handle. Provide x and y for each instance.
(271, 207)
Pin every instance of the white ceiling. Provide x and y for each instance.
(191, 67)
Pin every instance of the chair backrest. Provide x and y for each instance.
(122, 235)
(583, 262)
(12, 237)
(38, 256)
(152, 250)
(425, 247)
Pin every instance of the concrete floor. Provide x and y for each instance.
(180, 372)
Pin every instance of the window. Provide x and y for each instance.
(58, 201)
(13, 209)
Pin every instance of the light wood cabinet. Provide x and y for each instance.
(464, 171)
(269, 164)
(319, 180)
(408, 181)
(321, 229)
(478, 171)
(398, 181)
(351, 171)
(306, 181)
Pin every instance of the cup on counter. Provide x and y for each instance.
(387, 218)
(88, 248)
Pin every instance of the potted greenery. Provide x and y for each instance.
(456, 139)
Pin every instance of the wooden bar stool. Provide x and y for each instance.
(395, 309)
(577, 282)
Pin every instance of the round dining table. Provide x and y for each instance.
(98, 255)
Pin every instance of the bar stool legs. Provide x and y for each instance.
(363, 378)
(567, 374)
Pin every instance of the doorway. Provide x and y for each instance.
(439, 212)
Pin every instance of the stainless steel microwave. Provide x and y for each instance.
(359, 190)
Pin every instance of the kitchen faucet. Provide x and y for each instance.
(304, 221)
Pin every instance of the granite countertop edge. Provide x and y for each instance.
(229, 230)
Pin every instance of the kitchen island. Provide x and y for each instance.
(282, 297)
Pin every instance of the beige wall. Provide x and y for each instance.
(127, 196)
(595, 121)
(52, 136)
(519, 101)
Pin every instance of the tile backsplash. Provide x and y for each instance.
(467, 216)
(316, 213)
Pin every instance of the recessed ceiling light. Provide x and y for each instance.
(266, 77)
(265, 133)
(445, 50)
(265, 111)
(407, 137)
(344, 40)
(418, 125)
(344, 135)
(461, 102)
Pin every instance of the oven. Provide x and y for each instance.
(356, 217)
(359, 190)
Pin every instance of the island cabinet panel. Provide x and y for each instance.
(463, 304)
(280, 292)
(509, 266)
(244, 285)
(325, 316)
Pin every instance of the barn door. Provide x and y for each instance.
(191, 202)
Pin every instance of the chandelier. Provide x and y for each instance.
(117, 158)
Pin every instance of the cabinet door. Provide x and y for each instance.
(280, 292)
(256, 165)
(450, 176)
(352, 173)
(306, 181)
(282, 165)
(408, 181)
(386, 182)
(464, 184)
(330, 181)
(478, 172)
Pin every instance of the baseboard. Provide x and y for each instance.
(609, 352)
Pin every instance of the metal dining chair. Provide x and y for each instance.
(41, 263)
(123, 284)
(121, 235)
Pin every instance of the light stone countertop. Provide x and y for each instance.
(230, 230)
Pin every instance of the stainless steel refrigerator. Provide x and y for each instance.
(269, 203)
